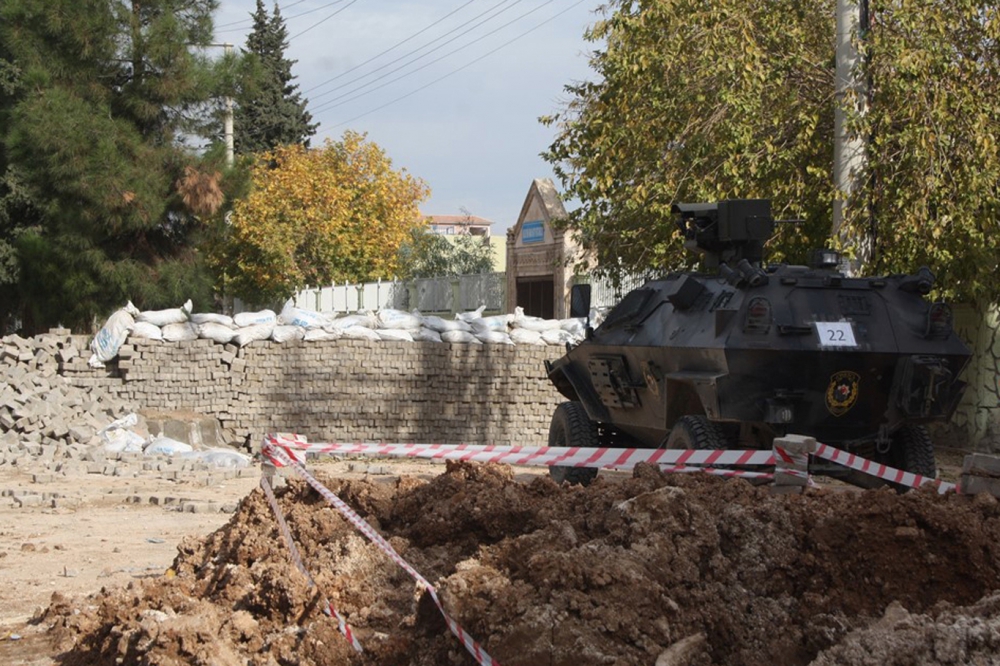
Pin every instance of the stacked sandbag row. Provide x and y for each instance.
(41, 413)
(177, 324)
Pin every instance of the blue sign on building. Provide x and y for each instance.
(532, 232)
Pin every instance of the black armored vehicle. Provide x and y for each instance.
(741, 353)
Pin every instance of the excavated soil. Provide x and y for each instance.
(655, 570)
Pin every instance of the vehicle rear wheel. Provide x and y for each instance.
(913, 451)
(572, 427)
(696, 432)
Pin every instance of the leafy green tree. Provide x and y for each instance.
(931, 193)
(110, 94)
(270, 112)
(317, 216)
(698, 101)
(427, 254)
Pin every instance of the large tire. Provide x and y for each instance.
(572, 427)
(696, 432)
(913, 451)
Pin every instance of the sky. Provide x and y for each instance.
(451, 89)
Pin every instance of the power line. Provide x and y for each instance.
(419, 48)
(248, 22)
(331, 105)
(456, 71)
(226, 25)
(394, 46)
(324, 20)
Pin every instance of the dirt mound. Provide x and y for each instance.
(652, 570)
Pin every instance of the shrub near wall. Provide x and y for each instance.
(342, 390)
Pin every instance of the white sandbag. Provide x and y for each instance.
(469, 316)
(394, 335)
(364, 319)
(496, 323)
(216, 457)
(319, 334)
(523, 336)
(212, 318)
(293, 316)
(557, 336)
(427, 335)
(575, 326)
(111, 337)
(522, 320)
(163, 317)
(248, 334)
(147, 331)
(459, 336)
(179, 332)
(283, 333)
(118, 435)
(441, 325)
(494, 338)
(165, 446)
(397, 320)
(245, 319)
(360, 333)
(216, 332)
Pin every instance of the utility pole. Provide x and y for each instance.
(228, 121)
(848, 151)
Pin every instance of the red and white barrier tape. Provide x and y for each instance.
(342, 625)
(277, 452)
(608, 458)
(879, 470)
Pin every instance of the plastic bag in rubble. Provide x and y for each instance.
(522, 320)
(494, 323)
(363, 319)
(287, 333)
(163, 317)
(212, 318)
(166, 446)
(459, 336)
(246, 319)
(318, 334)
(293, 316)
(146, 331)
(216, 332)
(394, 335)
(219, 458)
(118, 436)
(111, 337)
(248, 334)
(494, 338)
(469, 316)
(557, 336)
(359, 333)
(180, 332)
(523, 336)
(397, 320)
(441, 325)
(427, 335)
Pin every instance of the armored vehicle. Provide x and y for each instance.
(741, 353)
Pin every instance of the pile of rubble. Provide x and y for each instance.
(42, 415)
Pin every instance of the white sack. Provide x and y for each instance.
(212, 318)
(146, 330)
(522, 336)
(441, 325)
(163, 317)
(494, 338)
(459, 336)
(397, 320)
(248, 334)
(496, 323)
(557, 336)
(219, 458)
(111, 337)
(166, 446)
(469, 316)
(318, 334)
(293, 316)
(521, 320)
(360, 333)
(427, 335)
(118, 435)
(394, 335)
(364, 319)
(286, 333)
(245, 319)
(216, 332)
(179, 332)
(575, 326)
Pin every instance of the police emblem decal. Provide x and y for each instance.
(842, 392)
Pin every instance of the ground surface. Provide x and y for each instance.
(648, 570)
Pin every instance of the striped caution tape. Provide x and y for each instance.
(601, 457)
(879, 470)
(328, 608)
(277, 451)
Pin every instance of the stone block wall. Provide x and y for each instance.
(342, 390)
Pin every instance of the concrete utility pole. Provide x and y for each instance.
(848, 151)
(228, 121)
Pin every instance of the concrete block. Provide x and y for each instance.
(973, 485)
(981, 464)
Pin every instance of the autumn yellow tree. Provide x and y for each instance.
(316, 216)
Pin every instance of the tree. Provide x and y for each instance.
(427, 254)
(931, 194)
(110, 92)
(698, 101)
(317, 216)
(269, 110)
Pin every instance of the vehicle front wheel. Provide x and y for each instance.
(696, 432)
(572, 427)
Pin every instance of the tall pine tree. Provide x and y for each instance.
(107, 94)
(270, 112)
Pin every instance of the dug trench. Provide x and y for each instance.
(649, 570)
